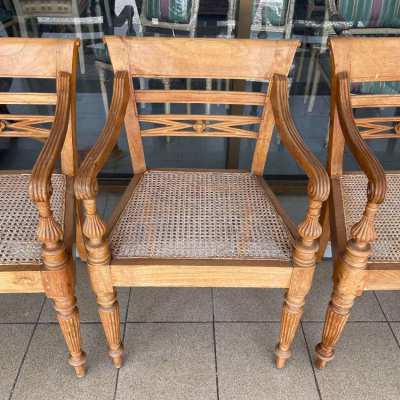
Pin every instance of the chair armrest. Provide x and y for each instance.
(40, 184)
(362, 153)
(86, 180)
(318, 185)
(363, 231)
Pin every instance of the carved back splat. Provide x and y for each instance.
(217, 59)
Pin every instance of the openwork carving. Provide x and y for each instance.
(387, 223)
(205, 125)
(379, 127)
(25, 125)
(19, 218)
(200, 215)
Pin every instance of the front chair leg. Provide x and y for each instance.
(58, 282)
(292, 311)
(110, 319)
(99, 256)
(304, 254)
(349, 280)
(68, 318)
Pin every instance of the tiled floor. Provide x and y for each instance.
(184, 344)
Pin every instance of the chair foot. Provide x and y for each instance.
(323, 356)
(319, 363)
(117, 357)
(281, 357)
(79, 364)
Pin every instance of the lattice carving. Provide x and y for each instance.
(204, 125)
(25, 125)
(379, 127)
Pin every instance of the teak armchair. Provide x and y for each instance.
(36, 234)
(365, 241)
(200, 228)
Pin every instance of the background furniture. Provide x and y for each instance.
(36, 238)
(366, 243)
(191, 228)
(64, 14)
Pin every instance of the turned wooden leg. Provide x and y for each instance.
(110, 318)
(304, 253)
(99, 255)
(292, 311)
(68, 318)
(349, 280)
(59, 282)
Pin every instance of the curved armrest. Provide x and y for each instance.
(364, 156)
(40, 185)
(86, 183)
(318, 185)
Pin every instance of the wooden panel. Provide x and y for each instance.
(194, 274)
(375, 100)
(27, 98)
(199, 96)
(35, 58)
(201, 58)
(367, 59)
(380, 279)
(16, 280)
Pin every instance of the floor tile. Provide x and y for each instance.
(13, 342)
(233, 304)
(245, 364)
(20, 307)
(170, 304)
(295, 206)
(396, 329)
(366, 307)
(168, 361)
(366, 366)
(390, 301)
(86, 299)
(46, 373)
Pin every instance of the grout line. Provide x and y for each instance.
(215, 343)
(26, 350)
(311, 361)
(387, 320)
(123, 339)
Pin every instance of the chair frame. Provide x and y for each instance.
(57, 59)
(248, 59)
(355, 60)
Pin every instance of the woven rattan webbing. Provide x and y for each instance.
(200, 215)
(19, 218)
(387, 223)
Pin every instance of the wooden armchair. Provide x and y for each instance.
(365, 241)
(200, 228)
(36, 234)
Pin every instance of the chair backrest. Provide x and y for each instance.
(370, 13)
(40, 59)
(368, 61)
(200, 58)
